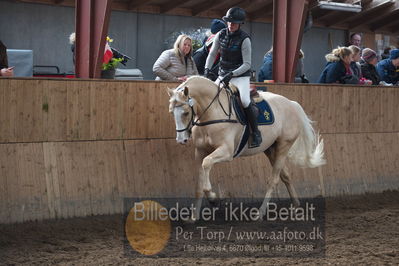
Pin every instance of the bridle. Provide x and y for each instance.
(191, 122)
(190, 102)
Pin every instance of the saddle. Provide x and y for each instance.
(265, 113)
(253, 93)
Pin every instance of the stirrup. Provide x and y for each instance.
(255, 140)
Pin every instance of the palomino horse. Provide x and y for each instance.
(199, 107)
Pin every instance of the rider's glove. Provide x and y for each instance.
(207, 73)
(227, 77)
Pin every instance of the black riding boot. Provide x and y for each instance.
(251, 114)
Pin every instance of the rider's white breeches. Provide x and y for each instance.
(242, 83)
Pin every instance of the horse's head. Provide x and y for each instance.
(181, 106)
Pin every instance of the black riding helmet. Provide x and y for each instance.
(235, 15)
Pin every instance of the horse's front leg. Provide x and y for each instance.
(221, 154)
(199, 193)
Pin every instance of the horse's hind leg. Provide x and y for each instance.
(278, 154)
(284, 176)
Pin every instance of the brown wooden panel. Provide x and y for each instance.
(351, 109)
(29, 110)
(23, 184)
(160, 168)
(59, 110)
(116, 139)
(55, 116)
(84, 177)
(67, 179)
(78, 110)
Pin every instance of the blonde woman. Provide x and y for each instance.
(338, 68)
(356, 56)
(176, 64)
(355, 65)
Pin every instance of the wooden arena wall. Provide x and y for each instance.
(78, 147)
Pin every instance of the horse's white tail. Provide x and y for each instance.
(308, 149)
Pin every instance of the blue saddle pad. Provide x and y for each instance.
(265, 116)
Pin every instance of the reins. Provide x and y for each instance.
(195, 122)
(220, 88)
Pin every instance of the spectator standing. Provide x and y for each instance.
(355, 39)
(72, 39)
(5, 70)
(388, 68)
(266, 70)
(337, 69)
(202, 53)
(300, 69)
(369, 61)
(176, 64)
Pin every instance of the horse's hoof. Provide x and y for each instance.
(191, 220)
(211, 196)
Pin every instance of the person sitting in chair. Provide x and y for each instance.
(235, 64)
(5, 70)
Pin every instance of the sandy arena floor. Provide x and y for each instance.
(359, 229)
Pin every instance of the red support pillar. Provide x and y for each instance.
(92, 20)
(288, 22)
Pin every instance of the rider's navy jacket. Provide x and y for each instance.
(230, 51)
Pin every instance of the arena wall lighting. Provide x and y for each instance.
(340, 6)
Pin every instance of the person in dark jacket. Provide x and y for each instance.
(5, 70)
(388, 68)
(266, 70)
(385, 54)
(201, 53)
(369, 61)
(337, 69)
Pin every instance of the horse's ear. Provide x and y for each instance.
(186, 91)
(169, 91)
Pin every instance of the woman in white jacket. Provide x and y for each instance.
(176, 64)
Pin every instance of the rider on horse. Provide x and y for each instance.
(235, 64)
